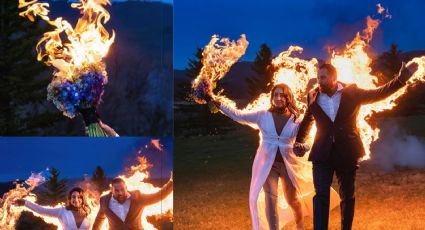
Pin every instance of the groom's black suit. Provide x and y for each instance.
(337, 147)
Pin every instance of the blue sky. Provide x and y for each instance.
(164, 1)
(77, 156)
(311, 24)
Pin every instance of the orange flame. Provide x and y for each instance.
(156, 144)
(353, 66)
(8, 212)
(218, 56)
(84, 46)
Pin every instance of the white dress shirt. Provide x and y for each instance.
(121, 210)
(330, 105)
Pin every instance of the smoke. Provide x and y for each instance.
(397, 148)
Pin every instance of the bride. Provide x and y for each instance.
(275, 161)
(74, 216)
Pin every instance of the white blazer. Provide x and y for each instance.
(65, 217)
(299, 169)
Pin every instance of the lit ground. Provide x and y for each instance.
(214, 174)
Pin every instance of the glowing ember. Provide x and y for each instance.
(155, 142)
(135, 180)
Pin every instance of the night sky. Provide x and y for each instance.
(310, 24)
(77, 156)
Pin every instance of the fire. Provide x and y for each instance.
(218, 56)
(293, 71)
(10, 213)
(134, 179)
(84, 46)
(352, 64)
(156, 144)
(138, 174)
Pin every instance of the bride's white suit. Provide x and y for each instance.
(299, 169)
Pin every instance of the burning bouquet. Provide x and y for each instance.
(7, 213)
(80, 95)
(80, 74)
(218, 56)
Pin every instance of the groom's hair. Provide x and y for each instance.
(117, 180)
(329, 67)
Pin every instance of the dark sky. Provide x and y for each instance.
(77, 156)
(311, 24)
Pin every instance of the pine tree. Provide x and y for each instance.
(21, 86)
(54, 189)
(99, 179)
(183, 88)
(195, 65)
(262, 66)
(387, 65)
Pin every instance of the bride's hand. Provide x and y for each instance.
(19, 202)
(109, 131)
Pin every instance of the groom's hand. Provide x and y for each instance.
(406, 71)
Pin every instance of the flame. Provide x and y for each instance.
(353, 66)
(156, 144)
(218, 56)
(85, 45)
(134, 180)
(8, 212)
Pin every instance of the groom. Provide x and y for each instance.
(337, 146)
(124, 208)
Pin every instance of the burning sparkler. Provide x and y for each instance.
(352, 64)
(80, 74)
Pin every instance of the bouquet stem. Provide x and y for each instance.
(95, 130)
(94, 126)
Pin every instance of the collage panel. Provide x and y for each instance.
(282, 106)
(84, 183)
(275, 115)
(89, 67)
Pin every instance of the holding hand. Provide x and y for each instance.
(213, 104)
(300, 149)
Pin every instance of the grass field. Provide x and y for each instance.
(213, 174)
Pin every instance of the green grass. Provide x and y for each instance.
(213, 175)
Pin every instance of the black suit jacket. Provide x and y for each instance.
(342, 135)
